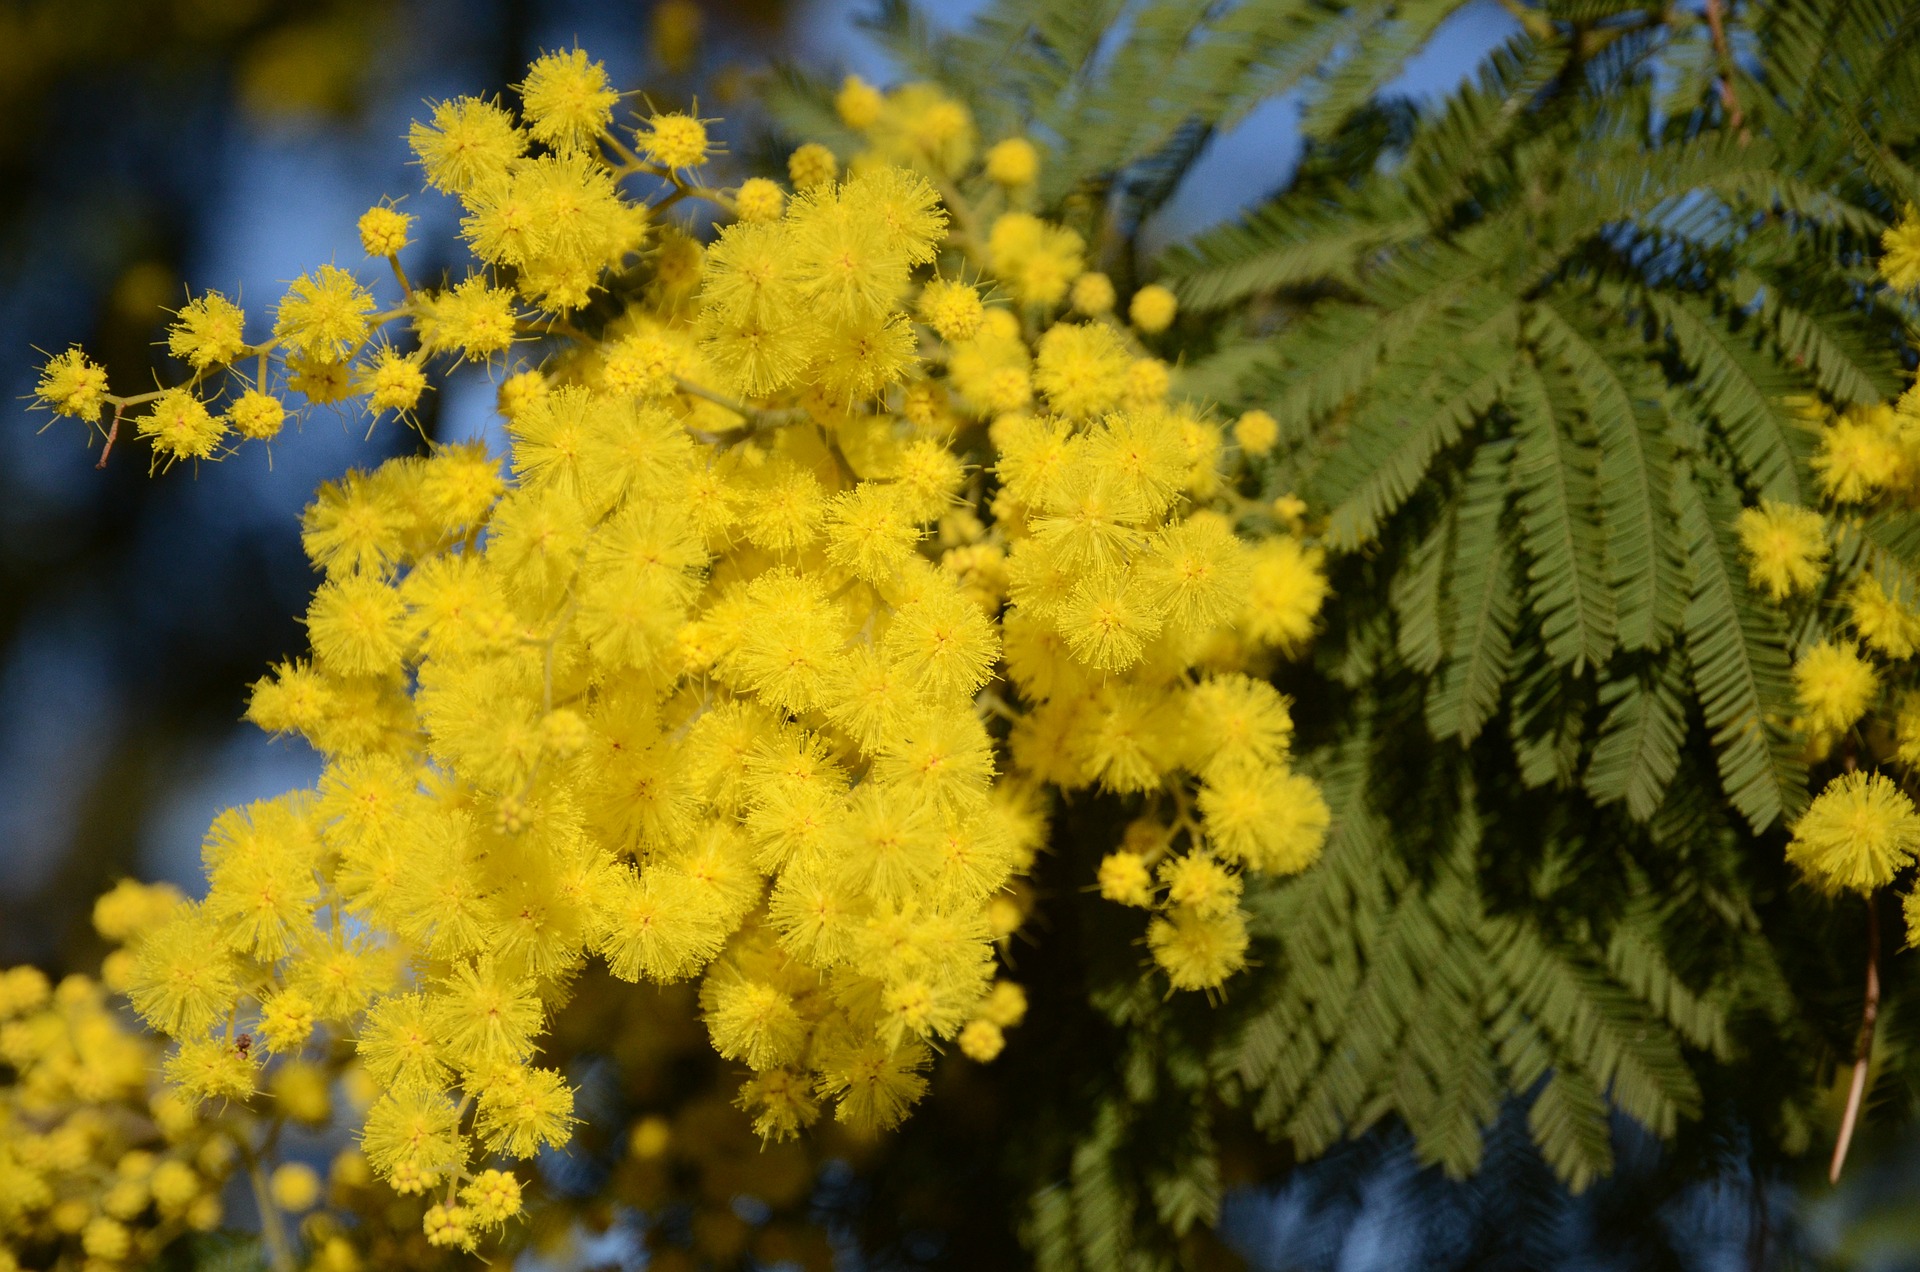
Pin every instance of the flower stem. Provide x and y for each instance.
(279, 1253)
(756, 417)
(1863, 1046)
(113, 434)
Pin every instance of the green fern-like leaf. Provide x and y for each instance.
(1284, 245)
(1566, 550)
(1645, 568)
(1398, 434)
(1603, 1027)
(1102, 1208)
(1364, 70)
(1638, 749)
(1742, 393)
(1337, 352)
(1836, 359)
(1416, 599)
(1483, 605)
(1740, 666)
(1637, 961)
(1886, 544)
(1546, 722)
(1568, 1119)
(1445, 155)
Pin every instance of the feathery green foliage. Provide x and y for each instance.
(1531, 349)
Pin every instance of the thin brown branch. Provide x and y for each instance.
(113, 434)
(1863, 1046)
(1723, 53)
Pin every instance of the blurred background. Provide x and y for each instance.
(152, 147)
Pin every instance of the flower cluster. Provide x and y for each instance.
(804, 582)
(1853, 671)
(100, 1165)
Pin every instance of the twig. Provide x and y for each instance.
(628, 159)
(682, 190)
(553, 640)
(113, 434)
(121, 403)
(967, 226)
(994, 703)
(551, 327)
(406, 286)
(838, 456)
(1863, 1046)
(1735, 118)
(459, 1174)
(631, 163)
(279, 1253)
(756, 417)
(679, 192)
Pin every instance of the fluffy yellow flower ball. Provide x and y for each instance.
(1288, 588)
(1886, 623)
(1900, 248)
(650, 1138)
(858, 103)
(1153, 308)
(468, 141)
(209, 331)
(759, 201)
(73, 384)
(1858, 456)
(295, 1187)
(568, 101)
(1198, 951)
(812, 165)
(1092, 295)
(257, 416)
(1013, 162)
(1835, 686)
(1125, 879)
(1256, 432)
(952, 308)
(383, 230)
(675, 141)
(324, 314)
(393, 381)
(982, 1041)
(1857, 834)
(1786, 547)
(181, 427)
